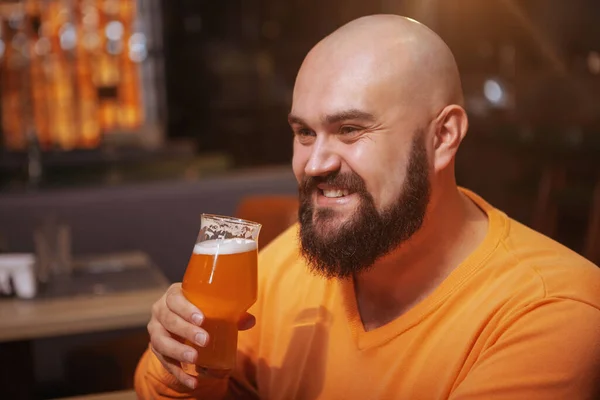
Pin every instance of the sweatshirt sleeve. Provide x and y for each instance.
(153, 381)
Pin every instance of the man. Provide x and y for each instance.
(396, 284)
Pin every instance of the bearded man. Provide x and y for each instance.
(395, 283)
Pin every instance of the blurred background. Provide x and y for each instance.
(122, 120)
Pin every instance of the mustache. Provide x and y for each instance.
(349, 181)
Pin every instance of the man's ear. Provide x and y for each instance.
(451, 127)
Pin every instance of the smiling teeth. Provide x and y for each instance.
(335, 193)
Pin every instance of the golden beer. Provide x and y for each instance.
(221, 280)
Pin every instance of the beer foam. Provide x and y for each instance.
(224, 246)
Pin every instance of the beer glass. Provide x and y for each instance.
(221, 280)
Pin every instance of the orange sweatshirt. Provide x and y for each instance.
(518, 319)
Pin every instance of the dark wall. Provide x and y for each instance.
(231, 65)
(161, 219)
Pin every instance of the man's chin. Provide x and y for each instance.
(328, 224)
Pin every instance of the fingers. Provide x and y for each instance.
(174, 312)
(246, 321)
(175, 369)
(183, 329)
(177, 303)
(167, 345)
(175, 327)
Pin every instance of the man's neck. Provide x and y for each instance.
(453, 229)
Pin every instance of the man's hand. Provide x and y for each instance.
(174, 320)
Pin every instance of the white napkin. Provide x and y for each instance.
(20, 269)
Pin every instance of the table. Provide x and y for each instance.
(123, 395)
(107, 292)
(85, 312)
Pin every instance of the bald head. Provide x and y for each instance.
(377, 122)
(393, 57)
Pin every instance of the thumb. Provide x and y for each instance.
(246, 321)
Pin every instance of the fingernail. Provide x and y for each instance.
(197, 318)
(201, 338)
(189, 356)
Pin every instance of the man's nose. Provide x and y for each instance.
(323, 159)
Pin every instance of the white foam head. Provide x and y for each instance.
(224, 246)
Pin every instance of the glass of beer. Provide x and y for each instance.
(221, 280)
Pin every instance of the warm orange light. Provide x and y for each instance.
(57, 73)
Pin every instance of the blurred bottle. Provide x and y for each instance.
(84, 81)
(52, 240)
(34, 159)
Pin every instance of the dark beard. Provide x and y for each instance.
(356, 244)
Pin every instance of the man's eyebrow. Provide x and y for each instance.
(293, 119)
(352, 114)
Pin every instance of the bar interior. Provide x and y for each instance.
(121, 121)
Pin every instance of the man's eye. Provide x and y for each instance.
(347, 130)
(304, 132)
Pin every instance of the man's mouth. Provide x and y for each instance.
(334, 193)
